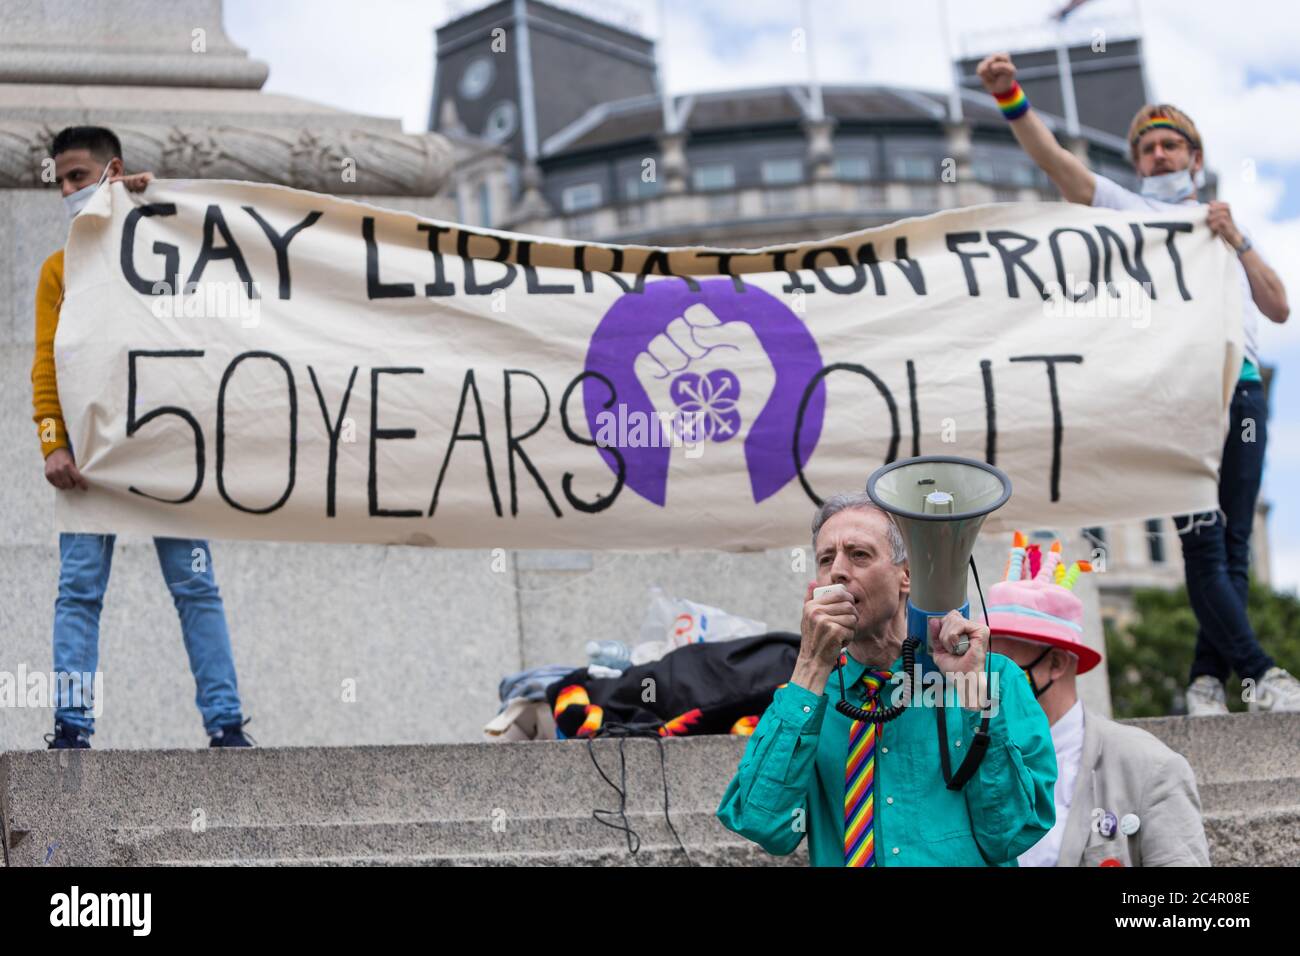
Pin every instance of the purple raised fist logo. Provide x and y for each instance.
(717, 366)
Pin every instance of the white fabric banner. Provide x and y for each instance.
(248, 361)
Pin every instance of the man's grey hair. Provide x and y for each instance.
(859, 501)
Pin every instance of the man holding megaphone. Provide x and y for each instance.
(865, 766)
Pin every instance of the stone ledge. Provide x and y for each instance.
(183, 43)
(293, 154)
(436, 805)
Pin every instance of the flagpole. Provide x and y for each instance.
(661, 65)
(814, 87)
(954, 98)
(1147, 96)
(1066, 76)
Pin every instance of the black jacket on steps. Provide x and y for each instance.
(697, 689)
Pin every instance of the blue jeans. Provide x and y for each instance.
(1216, 549)
(85, 562)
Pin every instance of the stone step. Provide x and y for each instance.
(721, 854)
(98, 805)
(1232, 746)
(1255, 837)
(1258, 838)
(438, 803)
(1249, 795)
(482, 836)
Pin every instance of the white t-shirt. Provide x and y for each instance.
(1111, 195)
(1067, 741)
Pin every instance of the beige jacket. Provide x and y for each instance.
(1128, 771)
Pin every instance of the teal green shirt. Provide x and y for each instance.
(791, 776)
(1249, 371)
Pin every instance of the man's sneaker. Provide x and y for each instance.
(1276, 692)
(67, 737)
(1205, 696)
(231, 735)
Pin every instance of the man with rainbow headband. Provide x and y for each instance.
(1166, 151)
(1122, 797)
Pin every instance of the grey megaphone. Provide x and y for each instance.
(939, 503)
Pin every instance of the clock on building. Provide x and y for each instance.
(476, 79)
(501, 122)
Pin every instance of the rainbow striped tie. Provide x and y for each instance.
(859, 780)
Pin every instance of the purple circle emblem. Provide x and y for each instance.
(705, 403)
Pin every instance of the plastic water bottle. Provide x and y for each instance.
(612, 654)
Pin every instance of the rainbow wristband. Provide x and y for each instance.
(1013, 103)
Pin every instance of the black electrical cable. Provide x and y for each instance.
(623, 732)
(979, 745)
(887, 714)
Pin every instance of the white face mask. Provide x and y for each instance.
(1172, 187)
(77, 201)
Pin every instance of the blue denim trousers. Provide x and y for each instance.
(85, 562)
(1216, 549)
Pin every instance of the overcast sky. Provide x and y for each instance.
(1234, 67)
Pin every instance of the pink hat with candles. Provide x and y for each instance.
(1036, 601)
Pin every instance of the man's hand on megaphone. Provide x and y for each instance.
(828, 624)
(947, 632)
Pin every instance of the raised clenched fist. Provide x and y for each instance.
(997, 73)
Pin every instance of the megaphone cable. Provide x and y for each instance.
(889, 713)
(883, 716)
(980, 743)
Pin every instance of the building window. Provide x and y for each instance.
(1022, 175)
(913, 167)
(580, 197)
(871, 197)
(634, 187)
(1155, 541)
(925, 197)
(484, 205)
(631, 215)
(580, 227)
(724, 205)
(781, 201)
(1005, 194)
(982, 170)
(852, 168)
(777, 172)
(715, 176)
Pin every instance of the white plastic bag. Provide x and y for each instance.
(672, 622)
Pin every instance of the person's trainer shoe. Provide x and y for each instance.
(1276, 692)
(67, 737)
(1205, 697)
(232, 735)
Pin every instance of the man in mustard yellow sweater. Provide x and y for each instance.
(85, 157)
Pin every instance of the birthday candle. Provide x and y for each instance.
(1016, 558)
(1071, 576)
(1059, 573)
(1048, 571)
